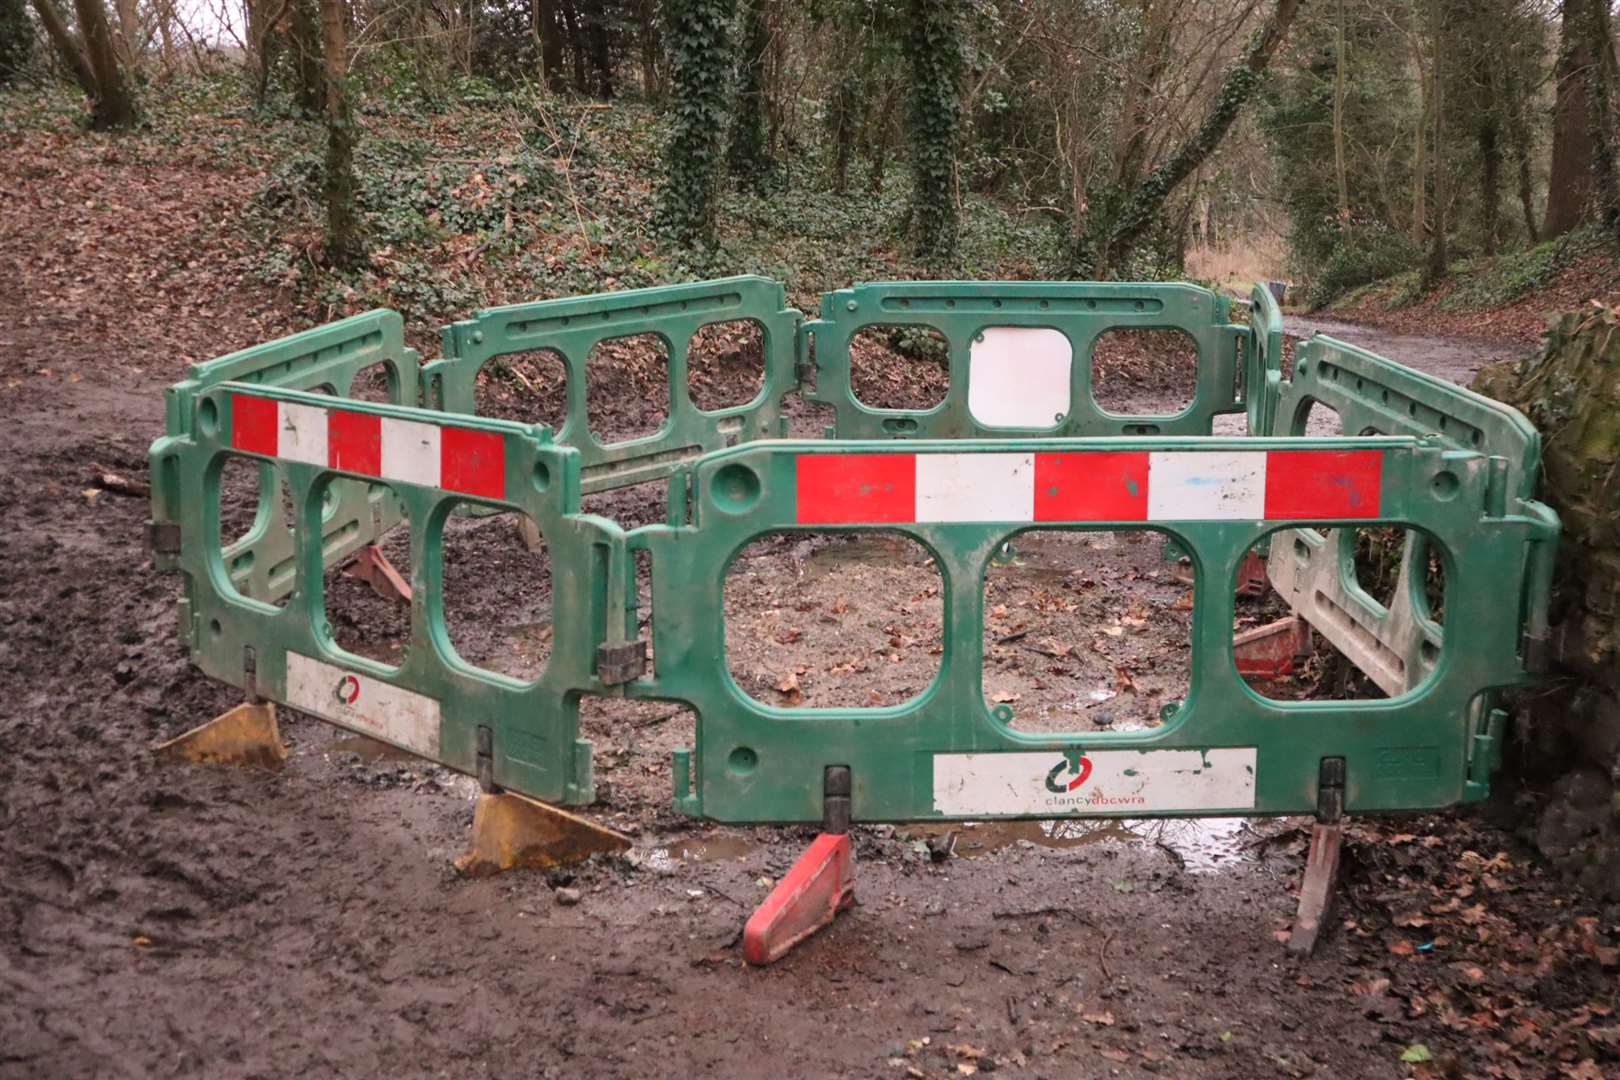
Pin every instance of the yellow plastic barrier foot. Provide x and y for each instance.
(510, 830)
(246, 735)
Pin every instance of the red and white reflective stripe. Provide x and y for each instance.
(409, 451)
(1092, 485)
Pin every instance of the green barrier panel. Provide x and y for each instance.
(433, 703)
(756, 762)
(1397, 645)
(1262, 371)
(987, 323)
(327, 359)
(675, 313)
(948, 753)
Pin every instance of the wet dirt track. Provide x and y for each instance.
(172, 921)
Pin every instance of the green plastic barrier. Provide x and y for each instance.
(1071, 315)
(573, 327)
(1454, 468)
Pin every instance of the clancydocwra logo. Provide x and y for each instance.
(348, 690)
(1070, 773)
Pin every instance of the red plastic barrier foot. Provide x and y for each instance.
(1274, 649)
(1317, 891)
(820, 885)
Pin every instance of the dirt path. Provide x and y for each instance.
(1454, 358)
(212, 922)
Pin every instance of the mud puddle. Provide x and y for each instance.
(370, 751)
(665, 857)
(1199, 845)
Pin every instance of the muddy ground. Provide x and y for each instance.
(172, 921)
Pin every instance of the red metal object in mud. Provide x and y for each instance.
(1272, 650)
(1251, 578)
(820, 885)
(372, 567)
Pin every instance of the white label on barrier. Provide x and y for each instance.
(1058, 782)
(365, 704)
(1018, 376)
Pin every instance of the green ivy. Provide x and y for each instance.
(700, 67)
(934, 55)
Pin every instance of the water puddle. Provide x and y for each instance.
(370, 750)
(1202, 845)
(704, 849)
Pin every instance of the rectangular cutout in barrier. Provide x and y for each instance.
(1087, 632)
(899, 366)
(812, 645)
(1151, 371)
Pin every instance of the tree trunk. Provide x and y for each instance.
(68, 48)
(549, 30)
(112, 106)
(842, 117)
(576, 43)
(1420, 150)
(1599, 92)
(652, 76)
(1141, 87)
(1519, 137)
(342, 217)
(700, 52)
(746, 155)
(1239, 85)
(596, 34)
(933, 47)
(127, 42)
(1340, 176)
(1490, 180)
(16, 40)
(305, 31)
(1569, 184)
(1439, 256)
(881, 138)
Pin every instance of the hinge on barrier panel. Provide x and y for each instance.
(804, 368)
(1537, 651)
(621, 661)
(163, 537)
(486, 760)
(250, 674)
(835, 795)
(1330, 791)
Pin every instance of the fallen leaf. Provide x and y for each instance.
(1415, 1053)
(790, 689)
(1102, 1019)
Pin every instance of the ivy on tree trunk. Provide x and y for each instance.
(700, 67)
(934, 55)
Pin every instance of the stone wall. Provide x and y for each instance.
(1567, 734)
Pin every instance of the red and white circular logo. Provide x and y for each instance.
(348, 690)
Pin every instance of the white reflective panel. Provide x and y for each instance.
(1018, 377)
